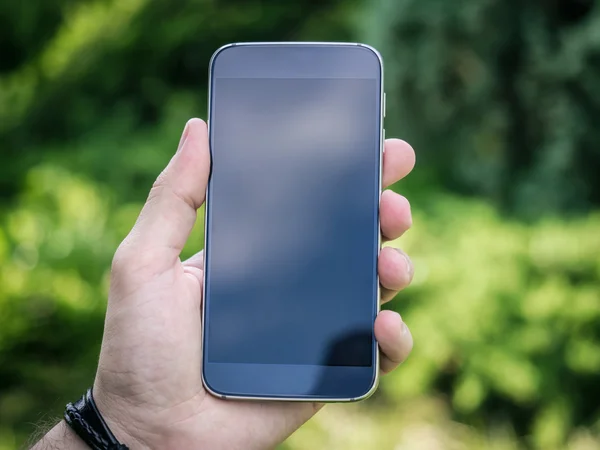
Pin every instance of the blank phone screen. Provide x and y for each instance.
(292, 221)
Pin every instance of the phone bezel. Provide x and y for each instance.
(375, 367)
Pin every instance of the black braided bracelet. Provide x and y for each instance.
(84, 419)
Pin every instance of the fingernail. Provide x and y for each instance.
(409, 265)
(405, 329)
(183, 138)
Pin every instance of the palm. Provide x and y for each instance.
(162, 349)
(150, 363)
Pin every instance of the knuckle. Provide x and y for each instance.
(158, 187)
(161, 188)
(121, 259)
(161, 180)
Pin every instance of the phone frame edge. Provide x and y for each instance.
(376, 380)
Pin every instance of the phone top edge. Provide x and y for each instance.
(367, 62)
(368, 47)
(308, 43)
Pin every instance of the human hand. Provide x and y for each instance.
(148, 385)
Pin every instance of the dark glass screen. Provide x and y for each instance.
(292, 225)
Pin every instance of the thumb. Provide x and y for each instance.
(169, 214)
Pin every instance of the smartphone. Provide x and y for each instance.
(292, 235)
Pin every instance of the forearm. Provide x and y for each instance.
(60, 437)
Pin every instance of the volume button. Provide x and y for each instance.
(384, 104)
(383, 141)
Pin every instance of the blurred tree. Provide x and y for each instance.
(25, 30)
(502, 97)
(104, 59)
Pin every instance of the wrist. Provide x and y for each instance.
(61, 436)
(129, 425)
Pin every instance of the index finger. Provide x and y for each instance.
(398, 161)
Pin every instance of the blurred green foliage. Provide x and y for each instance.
(500, 99)
(505, 318)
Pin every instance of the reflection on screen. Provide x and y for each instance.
(292, 221)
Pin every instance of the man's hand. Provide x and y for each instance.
(148, 385)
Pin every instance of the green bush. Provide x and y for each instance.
(499, 99)
(505, 315)
(506, 319)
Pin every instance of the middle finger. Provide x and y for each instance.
(395, 215)
(395, 272)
